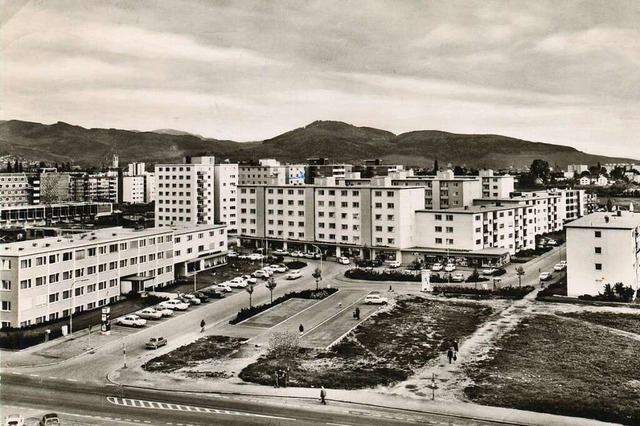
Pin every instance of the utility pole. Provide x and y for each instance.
(124, 354)
(195, 279)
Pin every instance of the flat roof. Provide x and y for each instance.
(627, 220)
(470, 210)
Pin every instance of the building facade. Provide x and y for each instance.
(603, 248)
(226, 196)
(48, 278)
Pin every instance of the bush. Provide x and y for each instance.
(503, 293)
(372, 275)
(246, 313)
(296, 264)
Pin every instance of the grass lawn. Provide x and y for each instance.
(552, 365)
(624, 322)
(210, 347)
(384, 350)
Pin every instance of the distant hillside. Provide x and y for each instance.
(340, 142)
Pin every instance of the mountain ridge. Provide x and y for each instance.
(336, 140)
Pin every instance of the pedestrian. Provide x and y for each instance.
(450, 354)
(276, 379)
(390, 289)
(201, 326)
(455, 356)
(323, 396)
(455, 345)
(285, 377)
(301, 328)
(354, 314)
(358, 314)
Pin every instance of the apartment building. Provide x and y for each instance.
(48, 278)
(133, 189)
(185, 193)
(603, 248)
(15, 190)
(226, 195)
(335, 217)
(271, 172)
(95, 187)
(496, 186)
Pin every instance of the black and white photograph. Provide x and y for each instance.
(322, 212)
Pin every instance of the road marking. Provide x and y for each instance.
(34, 375)
(71, 380)
(54, 378)
(174, 407)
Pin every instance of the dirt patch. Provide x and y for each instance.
(189, 356)
(384, 350)
(552, 365)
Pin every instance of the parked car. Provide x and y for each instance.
(214, 294)
(436, 267)
(256, 256)
(551, 242)
(155, 342)
(261, 273)
(450, 267)
(280, 252)
(369, 263)
(232, 254)
(149, 313)
(489, 271)
(190, 298)
(244, 256)
(279, 268)
(131, 321)
(297, 253)
(457, 277)
(164, 311)
(223, 288)
(14, 420)
(271, 269)
(545, 276)
(560, 266)
(293, 275)
(249, 279)
(237, 282)
(375, 299)
(175, 304)
(394, 264)
(50, 419)
(202, 296)
(343, 260)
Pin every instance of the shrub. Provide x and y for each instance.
(372, 275)
(296, 264)
(504, 292)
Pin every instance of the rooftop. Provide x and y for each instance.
(611, 220)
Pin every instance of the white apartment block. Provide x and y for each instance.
(93, 187)
(226, 195)
(271, 172)
(185, 193)
(46, 214)
(133, 189)
(136, 169)
(495, 186)
(46, 279)
(338, 218)
(603, 248)
(15, 189)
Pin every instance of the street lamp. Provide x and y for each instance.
(73, 302)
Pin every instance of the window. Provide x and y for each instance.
(66, 294)
(91, 252)
(449, 217)
(6, 285)
(6, 306)
(67, 256)
(598, 266)
(41, 260)
(438, 228)
(449, 229)
(598, 250)
(91, 288)
(438, 217)
(391, 205)
(41, 281)
(25, 263)
(598, 234)
(79, 291)
(102, 285)
(24, 284)
(54, 297)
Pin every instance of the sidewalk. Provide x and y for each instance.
(367, 398)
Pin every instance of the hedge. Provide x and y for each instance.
(503, 292)
(246, 313)
(372, 275)
(296, 264)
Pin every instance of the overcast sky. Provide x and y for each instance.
(565, 72)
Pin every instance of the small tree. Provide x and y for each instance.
(249, 289)
(520, 273)
(317, 274)
(415, 265)
(271, 285)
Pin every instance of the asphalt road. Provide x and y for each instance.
(86, 404)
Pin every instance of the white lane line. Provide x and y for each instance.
(54, 378)
(18, 374)
(34, 375)
(71, 380)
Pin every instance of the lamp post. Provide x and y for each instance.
(73, 302)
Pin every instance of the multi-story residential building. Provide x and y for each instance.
(271, 172)
(95, 187)
(496, 186)
(185, 193)
(338, 218)
(577, 168)
(133, 189)
(603, 248)
(136, 169)
(15, 190)
(48, 278)
(226, 195)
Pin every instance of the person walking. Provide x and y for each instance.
(276, 380)
(323, 396)
(358, 314)
(202, 326)
(301, 328)
(450, 354)
(455, 345)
